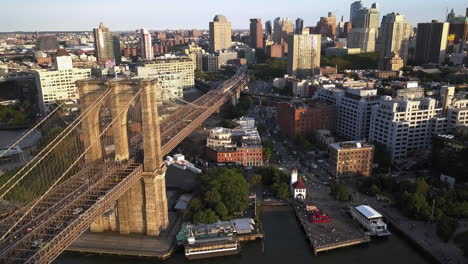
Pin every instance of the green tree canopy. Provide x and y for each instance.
(221, 193)
(340, 192)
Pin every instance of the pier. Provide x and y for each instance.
(339, 233)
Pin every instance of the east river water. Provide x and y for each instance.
(284, 243)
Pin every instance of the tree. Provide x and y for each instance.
(222, 211)
(212, 197)
(267, 154)
(446, 227)
(221, 193)
(207, 216)
(228, 123)
(374, 190)
(277, 179)
(256, 179)
(303, 143)
(281, 190)
(422, 187)
(340, 192)
(273, 68)
(266, 142)
(352, 61)
(381, 155)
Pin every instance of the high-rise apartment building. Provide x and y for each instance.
(431, 42)
(355, 7)
(354, 109)
(299, 25)
(458, 32)
(395, 33)
(282, 28)
(365, 25)
(170, 84)
(367, 18)
(54, 85)
(220, 34)
(362, 38)
(404, 125)
(354, 113)
(327, 26)
(103, 44)
(268, 28)
(146, 46)
(117, 50)
(256, 33)
(182, 65)
(303, 54)
(352, 158)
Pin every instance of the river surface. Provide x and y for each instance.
(284, 243)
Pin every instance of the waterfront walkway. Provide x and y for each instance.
(423, 234)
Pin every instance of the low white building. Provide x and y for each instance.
(298, 188)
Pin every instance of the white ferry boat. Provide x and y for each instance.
(370, 219)
(211, 247)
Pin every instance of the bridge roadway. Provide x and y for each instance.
(70, 208)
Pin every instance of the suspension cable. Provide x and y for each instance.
(71, 166)
(31, 130)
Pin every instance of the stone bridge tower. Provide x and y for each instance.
(143, 208)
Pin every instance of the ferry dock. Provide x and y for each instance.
(340, 232)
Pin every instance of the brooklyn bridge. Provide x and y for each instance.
(110, 155)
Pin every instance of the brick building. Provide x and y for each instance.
(305, 118)
(241, 146)
(350, 158)
(276, 50)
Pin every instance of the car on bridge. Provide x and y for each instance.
(77, 211)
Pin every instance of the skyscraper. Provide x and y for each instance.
(299, 25)
(327, 26)
(362, 38)
(367, 18)
(268, 28)
(395, 35)
(303, 54)
(117, 51)
(220, 34)
(145, 45)
(340, 27)
(458, 32)
(103, 43)
(431, 42)
(256, 33)
(354, 9)
(365, 25)
(282, 28)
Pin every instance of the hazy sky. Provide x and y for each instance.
(62, 15)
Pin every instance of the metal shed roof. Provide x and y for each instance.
(368, 211)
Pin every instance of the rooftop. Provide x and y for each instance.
(350, 145)
(368, 211)
(299, 184)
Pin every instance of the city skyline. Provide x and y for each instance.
(52, 15)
